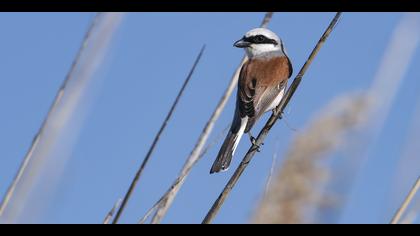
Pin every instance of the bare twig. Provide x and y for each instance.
(406, 202)
(270, 123)
(196, 152)
(156, 140)
(150, 211)
(179, 179)
(110, 214)
(97, 43)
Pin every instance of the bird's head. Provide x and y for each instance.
(261, 42)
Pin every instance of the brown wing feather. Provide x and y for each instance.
(260, 82)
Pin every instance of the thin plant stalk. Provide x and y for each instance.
(277, 114)
(156, 140)
(178, 180)
(111, 213)
(406, 203)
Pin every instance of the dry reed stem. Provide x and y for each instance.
(111, 213)
(61, 108)
(270, 123)
(156, 140)
(406, 202)
(413, 214)
(179, 179)
(168, 198)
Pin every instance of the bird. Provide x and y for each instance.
(261, 86)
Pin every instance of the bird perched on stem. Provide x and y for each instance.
(261, 86)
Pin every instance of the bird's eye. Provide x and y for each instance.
(259, 39)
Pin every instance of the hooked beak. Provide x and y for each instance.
(241, 44)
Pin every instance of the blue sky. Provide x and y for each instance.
(145, 67)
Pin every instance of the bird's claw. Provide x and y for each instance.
(281, 115)
(254, 142)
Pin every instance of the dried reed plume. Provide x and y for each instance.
(394, 64)
(297, 186)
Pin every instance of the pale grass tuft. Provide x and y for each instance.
(297, 188)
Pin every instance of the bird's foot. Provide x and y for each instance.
(281, 114)
(254, 142)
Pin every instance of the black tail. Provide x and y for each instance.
(225, 154)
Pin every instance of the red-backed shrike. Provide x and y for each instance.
(261, 86)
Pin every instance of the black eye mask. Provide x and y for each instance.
(259, 39)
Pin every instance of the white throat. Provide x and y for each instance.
(264, 51)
